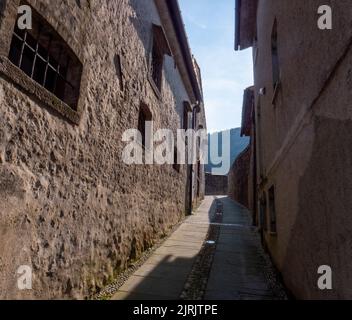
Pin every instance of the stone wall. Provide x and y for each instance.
(69, 207)
(215, 185)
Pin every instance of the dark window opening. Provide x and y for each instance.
(118, 67)
(159, 49)
(198, 178)
(176, 165)
(272, 208)
(200, 143)
(275, 56)
(194, 118)
(157, 64)
(144, 116)
(141, 126)
(185, 119)
(186, 111)
(263, 216)
(44, 57)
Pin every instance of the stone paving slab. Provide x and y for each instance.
(123, 295)
(180, 252)
(238, 268)
(189, 244)
(164, 274)
(164, 270)
(238, 271)
(156, 260)
(150, 285)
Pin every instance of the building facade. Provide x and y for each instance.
(303, 123)
(242, 176)
(216, 185)
(238, 179)
(87, 71)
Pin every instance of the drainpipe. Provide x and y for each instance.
(195, 108)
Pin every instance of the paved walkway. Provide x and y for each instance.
(238, 268)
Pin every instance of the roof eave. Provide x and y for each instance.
(245, 29)
(177, 20)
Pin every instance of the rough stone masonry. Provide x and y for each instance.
(69, 208)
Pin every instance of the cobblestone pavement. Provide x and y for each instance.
(214, 254)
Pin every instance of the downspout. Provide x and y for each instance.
(238, 24)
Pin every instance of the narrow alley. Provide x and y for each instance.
(179, 150)
(214, 255)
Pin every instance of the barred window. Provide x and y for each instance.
(44, 57)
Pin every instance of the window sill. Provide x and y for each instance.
(31, 87)
(276, 92)
(154, 87)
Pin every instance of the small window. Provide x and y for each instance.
(44, 57)
(194, 119)
(275, 57)
(186, 111)
(272, 208)
(144, 116)
(159, 49)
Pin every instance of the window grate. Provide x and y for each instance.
(44, 57)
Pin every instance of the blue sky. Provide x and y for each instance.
(226, 73)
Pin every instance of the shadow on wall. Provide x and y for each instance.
(322, 231)
(161, 276)
(239, 177)
(141, 25)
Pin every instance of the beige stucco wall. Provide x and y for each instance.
(69, 207)
(305, 142)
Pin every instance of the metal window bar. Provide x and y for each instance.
(23, 45)
(46, 59)
(36, 52)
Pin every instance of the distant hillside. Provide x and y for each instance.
(237, 145)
